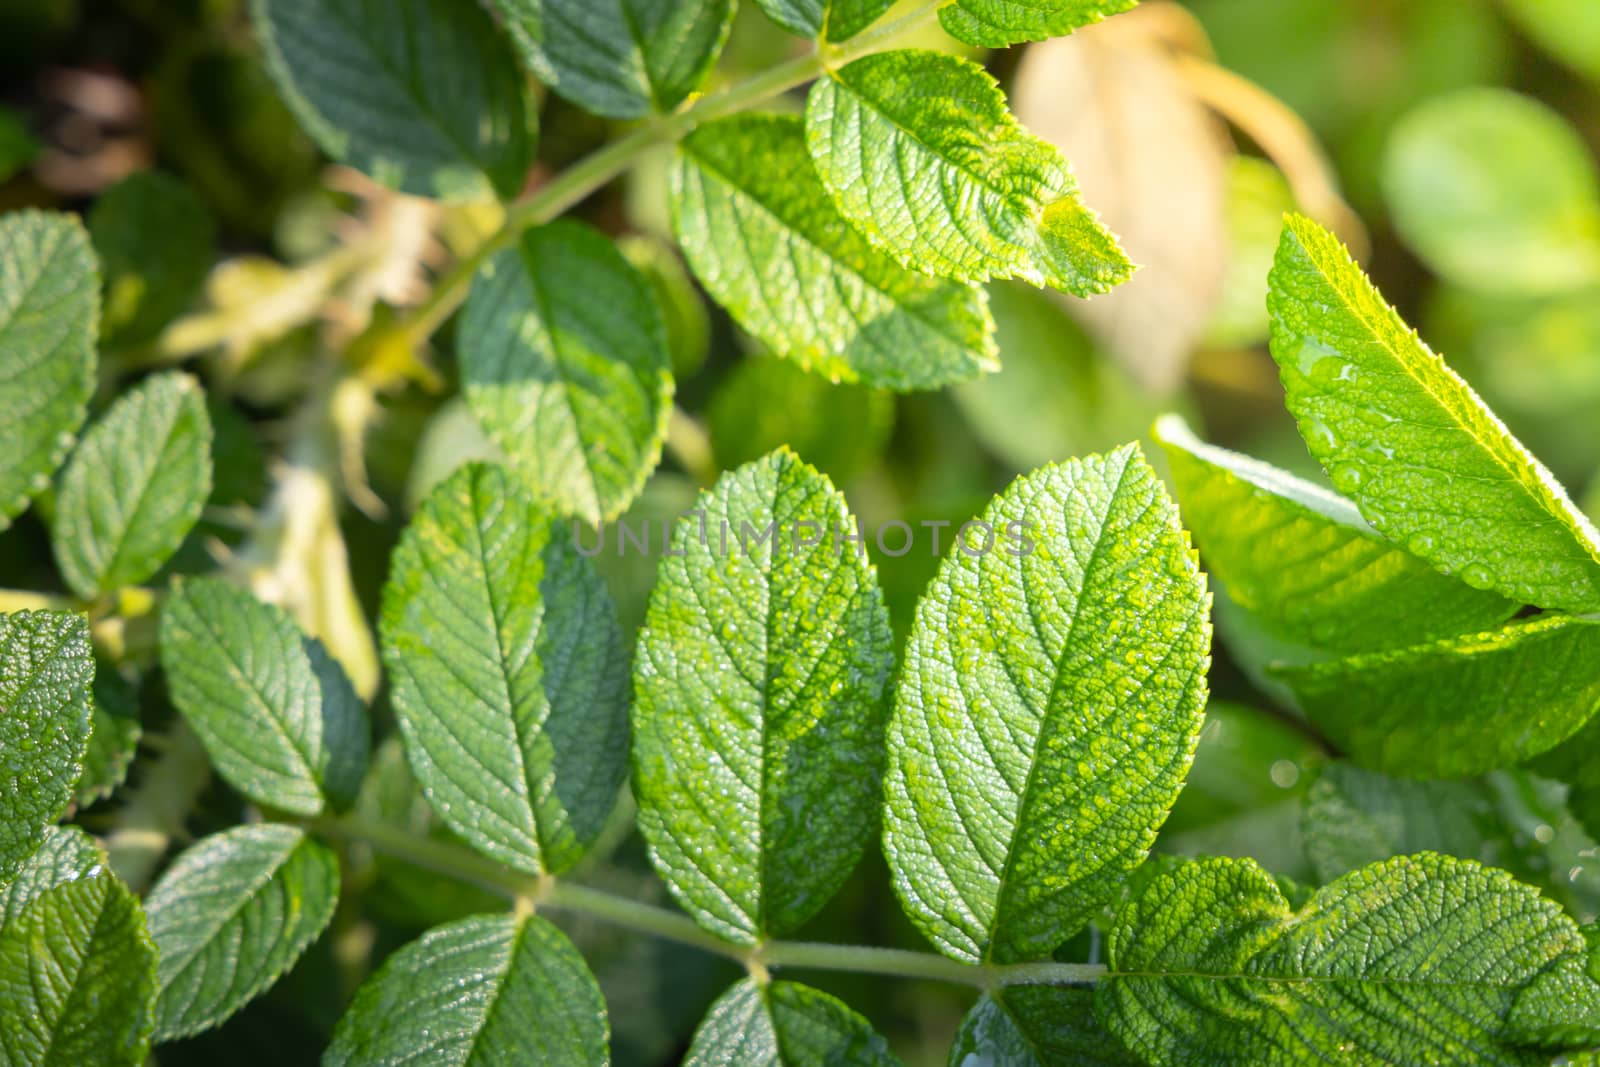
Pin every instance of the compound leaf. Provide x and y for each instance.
(564, 362)
(920, 153)
(620, 58)
(509, 669)
(1303, 562)
(762, 236)
(422, 95)
(45, 672)
(1407, 439)
(277, 722)
(77, 977)
(492, 989)
(784, 1024)
(1047, 712)
(825, 20)
(49, 319)
(1037, 1026)
(135, 486)
(1416, 960)
(230, 915)
(998, 23)
(1460, 705)
(760, 675)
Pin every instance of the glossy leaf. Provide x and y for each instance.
(784, 1024)
(825, 20)
(1047, 710)
(760, 675)
(65, 854)
(998, 23)
(509, 671)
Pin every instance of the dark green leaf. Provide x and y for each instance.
(1037, 1026)
(825, 20)
(114, 738)
(784, 1024)
(154, 238)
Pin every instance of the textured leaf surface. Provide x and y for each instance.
(564, 362)
(483, 991)
(230, 915)
(768, 244)
(154, 239)
(1047, 711)
(510, 673)
(1561, 1007)
(1408, 440)
(113, 738)
(49, 320)
(620, 58)
(760, 676)
(262, 697)
(45, 671)
(998, 23)
(1035, 1026)
(923, 158)
(1413, 961)
(65, 854)
(135, 486)
(1460, 705)
(825, 20)
(784, 1024)
(1304, 562)
(422, 95)
(77, 978)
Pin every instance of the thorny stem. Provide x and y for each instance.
(526, 891)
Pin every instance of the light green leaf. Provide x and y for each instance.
(1037, 1026)
(1495, 192)
(77, 978)
(1413, 961)
(564, 362)
(114, 737)
(135, 486)
(489, 990)
(1460, 705)
(278, 724)
(1568, 29)
(760, 675)
(825, 20)
(154, 238)
(230, 915)
(1047, 711)
(422, 95)
(784, 1024)
(49, 319)
(509, 671)
(922, 156)
(999, 23)
(65, 854)
(764, 239)
(1403, 436)
(1258, 197)
(1303, 561)
(620, 58)
(45, 671)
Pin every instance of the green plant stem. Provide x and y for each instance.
(575, 184)
(462, 863)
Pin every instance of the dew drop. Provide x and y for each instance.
(1347, 479)
(1477, 576)
(1320, 436)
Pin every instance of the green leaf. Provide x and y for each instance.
(65, 854)
(1495, 192)
(77, 978)
(230, 915)
(1037, 1026)
(1304, 562)
(564, 362)
(1258, 196)
(49, 318)
(1403, 436)
(921, 155)
(263, 698)
(493, 989)
(509, 671)
(135, 486)
(1568, 29)
(1413, 961)
(45, 671)
(784, 1024)
(1460, 705)
(154, 238)
(764, 239)
(620, 58)
(114, 737)
(1561, 1007)
(825, 20)
(1048, 709)
(422, 95)
(760, 676)
(999, 23)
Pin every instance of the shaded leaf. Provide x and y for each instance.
(784, 1024)
(154, 239)
(1037, 1026)
(114, 737)
(825, 20)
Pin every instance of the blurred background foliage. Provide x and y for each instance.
(1452, 143)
